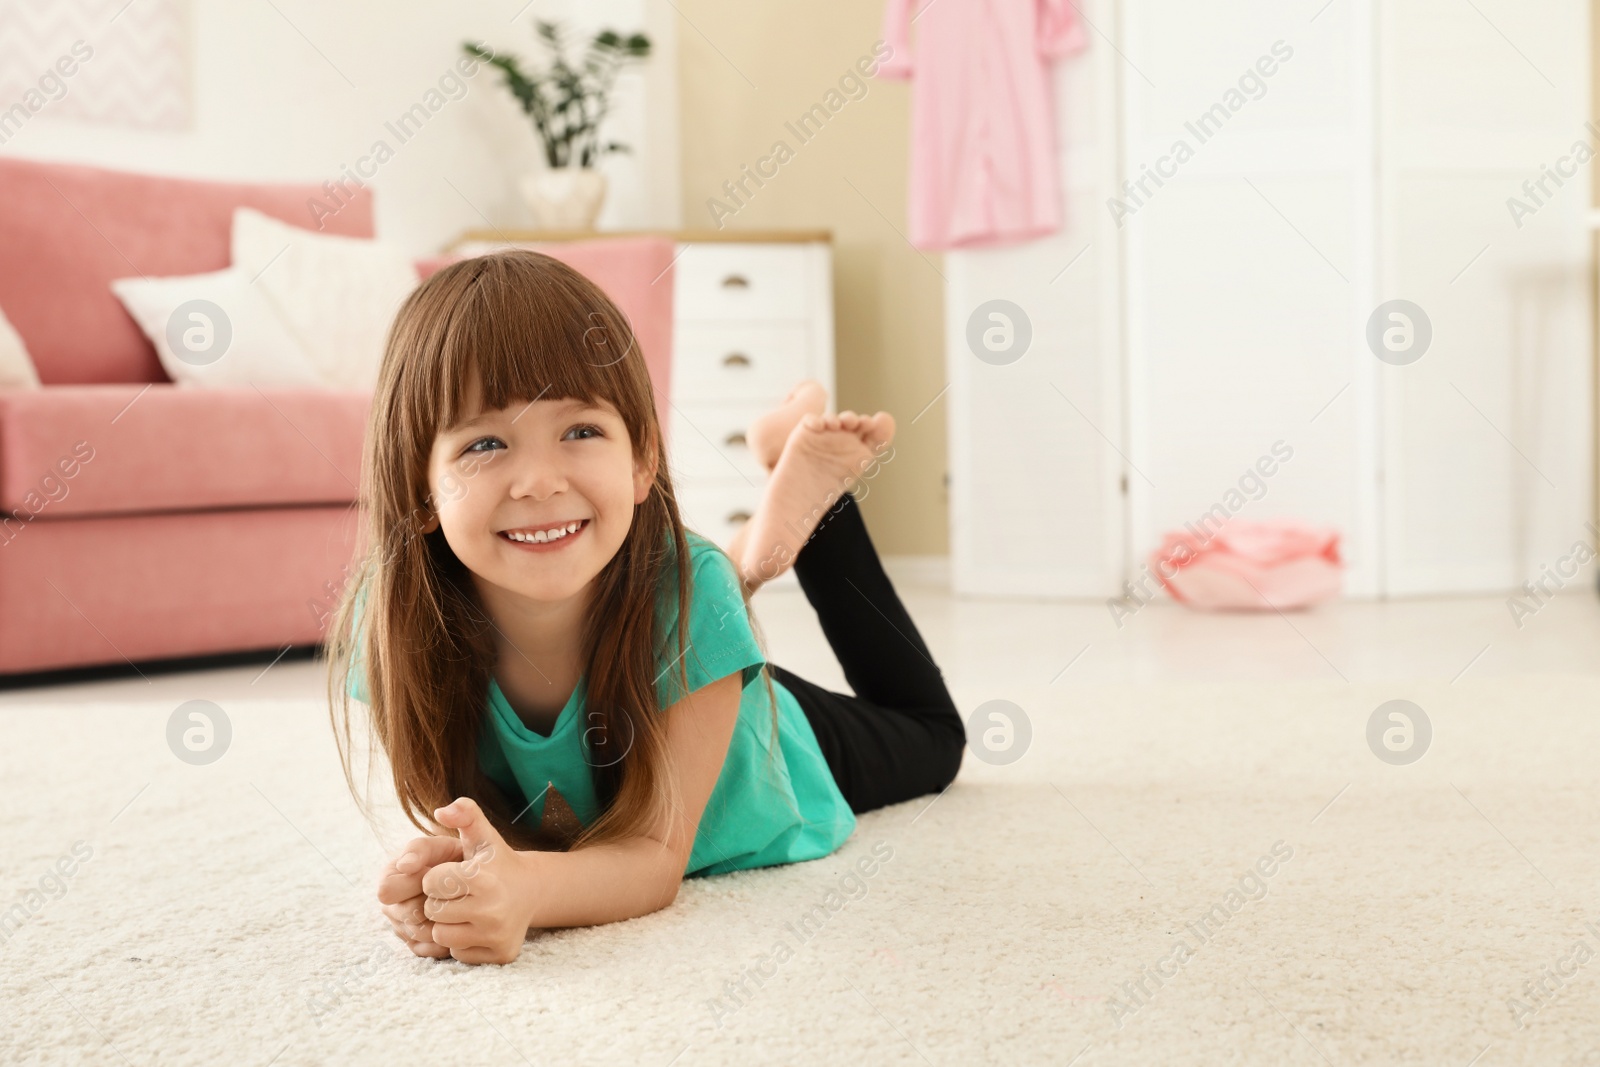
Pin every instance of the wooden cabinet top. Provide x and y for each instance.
(688, 236)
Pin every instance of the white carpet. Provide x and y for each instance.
(226, 913)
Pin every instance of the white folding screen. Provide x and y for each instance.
(1250, 183)
(1487, 438)
(1248, 267)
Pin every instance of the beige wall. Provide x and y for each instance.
(745, 70)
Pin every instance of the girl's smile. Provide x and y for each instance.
(547, 537)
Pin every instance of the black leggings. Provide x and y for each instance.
(900, 736)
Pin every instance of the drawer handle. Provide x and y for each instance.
(735, 359)
(736, 281)
(736, 439)
(738, 516)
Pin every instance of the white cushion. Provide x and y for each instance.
(214, 330)
(336, 295)
(16, 366)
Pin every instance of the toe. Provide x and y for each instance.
(878, 429)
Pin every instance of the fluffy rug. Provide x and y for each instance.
(1331, 908)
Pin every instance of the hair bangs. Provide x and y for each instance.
(566, 344)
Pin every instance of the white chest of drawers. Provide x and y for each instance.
(751, 319)
(752, 316)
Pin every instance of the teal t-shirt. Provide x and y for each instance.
(763, 811)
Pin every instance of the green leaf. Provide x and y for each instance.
(568, 103)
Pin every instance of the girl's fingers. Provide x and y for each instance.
(459, 936)
(447, 881)
(476, 955)
(429, 949)
(423, 852)
(402, 878)
(409, 923)
(453, 910)
(407, 911)
(412, 931)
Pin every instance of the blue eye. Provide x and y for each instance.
(582, 433)
(473, 447)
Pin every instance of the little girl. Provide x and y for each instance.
(565, 682)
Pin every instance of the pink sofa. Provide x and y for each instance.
(143, 521)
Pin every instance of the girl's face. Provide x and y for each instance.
(536, 498)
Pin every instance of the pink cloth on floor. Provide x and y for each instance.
(983, 135)
(1274, 563)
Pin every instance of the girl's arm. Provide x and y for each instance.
(623, 879)
(482, 907)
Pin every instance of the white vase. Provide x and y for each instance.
(564, 198)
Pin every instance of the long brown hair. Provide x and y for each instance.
(524, 326)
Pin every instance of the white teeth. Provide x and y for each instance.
(539, 537)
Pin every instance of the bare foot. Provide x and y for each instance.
(767, 434)
(825, 457)
(876, 431)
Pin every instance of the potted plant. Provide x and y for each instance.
(567, 104)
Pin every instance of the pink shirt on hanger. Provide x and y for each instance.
(983, 141)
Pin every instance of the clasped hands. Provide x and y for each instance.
(469, 897)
